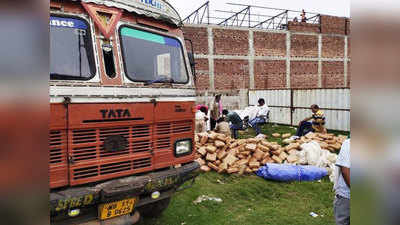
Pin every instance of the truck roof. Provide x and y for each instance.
(157, 9)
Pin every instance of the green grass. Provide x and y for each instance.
(251, 200)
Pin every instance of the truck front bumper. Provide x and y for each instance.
(88, 198)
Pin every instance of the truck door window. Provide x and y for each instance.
(71, 49)
(152, 57)
(108, 57)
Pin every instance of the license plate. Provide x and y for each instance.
(119, 208)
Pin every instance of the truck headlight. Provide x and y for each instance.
(183, 147)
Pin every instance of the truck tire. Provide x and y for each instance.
(154, 209)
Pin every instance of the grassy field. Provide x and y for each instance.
(250, 200)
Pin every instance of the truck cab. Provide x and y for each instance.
(121, 132)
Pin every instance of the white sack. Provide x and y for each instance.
(312, 154)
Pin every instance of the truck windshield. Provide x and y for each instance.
(152, 57)
(71, 50)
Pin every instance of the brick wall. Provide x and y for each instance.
(243, 59)
(303, 27)
(304, 46)
(199, 38)
(333, 25)
(269, 44)
(304, 74)
(332, 47)
(231, 74)
(202, 74)
(230, 101)
(270, 74)
(348, 26)
(332, 75)
(231, 42)
(348, 47)
(348, 74)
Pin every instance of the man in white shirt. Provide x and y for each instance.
(261, 116)
(201, 119)
(342, 186)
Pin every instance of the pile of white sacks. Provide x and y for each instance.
(312, 154)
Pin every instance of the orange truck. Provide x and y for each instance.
(121, 132)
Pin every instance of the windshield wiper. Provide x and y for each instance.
(160, 80)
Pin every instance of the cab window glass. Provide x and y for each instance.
(152, 57)
(71, 49)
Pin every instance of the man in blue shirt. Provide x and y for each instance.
(342, 186)
(235, 121)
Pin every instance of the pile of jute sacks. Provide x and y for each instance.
(223, 154)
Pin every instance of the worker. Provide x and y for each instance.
(342, 186)
(317, 125)
(223, 127)
(216, 110)
(303, 16)
(201, 119)
(261, 116)
(198, 107)
(236, 123)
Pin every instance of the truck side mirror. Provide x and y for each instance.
(192, 61)
(191, 58)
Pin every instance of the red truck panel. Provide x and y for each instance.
(150, 130)
(174, 121)
(58, 168)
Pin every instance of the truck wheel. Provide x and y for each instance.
(154, 209)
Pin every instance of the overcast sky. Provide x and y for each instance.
(329, 7)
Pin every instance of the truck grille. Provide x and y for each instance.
(163, 128)
(120, 168)
(182, 127)
(58, 147)
(84, 136)
(88, 148)
(163, 143)
(88, 144)
(79, 155)
(174, 128)
(164, 132)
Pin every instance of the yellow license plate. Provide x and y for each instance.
(119, 208)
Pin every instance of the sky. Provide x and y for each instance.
(330, 7)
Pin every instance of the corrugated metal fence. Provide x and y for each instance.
(292, 106)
